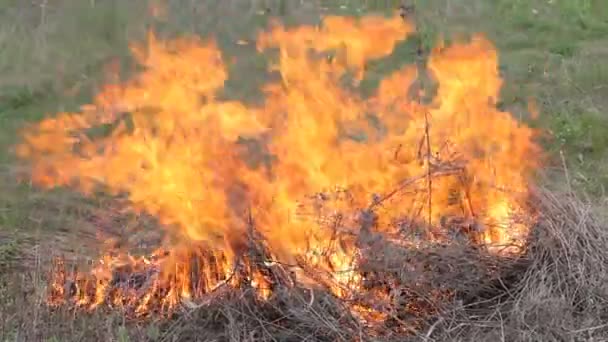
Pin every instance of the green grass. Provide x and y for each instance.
(52, 58)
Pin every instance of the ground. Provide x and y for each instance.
(53, 56)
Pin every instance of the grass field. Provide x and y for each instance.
(53, 55)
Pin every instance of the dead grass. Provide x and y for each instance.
(555, 292)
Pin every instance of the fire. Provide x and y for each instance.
(340, 167)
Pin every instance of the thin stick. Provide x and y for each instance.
(428, 166)
(566, 173)
(428, 334)
(251, 241)
(467, 192)
(438, 172)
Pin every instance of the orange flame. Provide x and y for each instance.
(168, 142)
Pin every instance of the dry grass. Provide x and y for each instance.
(555, 292)
(558, 292)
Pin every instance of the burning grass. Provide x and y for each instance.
(555, 290)
(365, 217)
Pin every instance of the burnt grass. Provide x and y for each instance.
(554, 291)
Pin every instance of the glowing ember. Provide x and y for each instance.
(345, 169)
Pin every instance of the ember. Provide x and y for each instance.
(352, 180)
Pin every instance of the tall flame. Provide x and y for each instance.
(175, 149)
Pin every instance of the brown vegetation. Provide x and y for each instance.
(555, 291)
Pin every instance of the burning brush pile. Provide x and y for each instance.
(386, 206)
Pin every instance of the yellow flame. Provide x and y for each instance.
(174, 148)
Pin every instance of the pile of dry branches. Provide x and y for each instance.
(555, 291)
